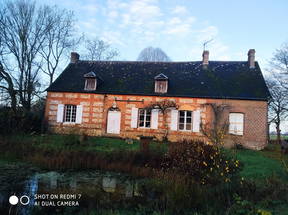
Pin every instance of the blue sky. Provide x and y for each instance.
(180, 27)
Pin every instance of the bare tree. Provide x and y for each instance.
(279, 64)
(163, 106)
(278, 105)
(216, 131)
(59, 40)
(23, 29)
(153, 54)
(99, 50)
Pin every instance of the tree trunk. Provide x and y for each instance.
(278, 131)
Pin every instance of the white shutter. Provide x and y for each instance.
(79, 111)
(174, 120)
(154, 118)
(134, 117)
(196, 121)
(60, 112)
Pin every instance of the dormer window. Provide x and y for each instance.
(161, 83)
(90, 81)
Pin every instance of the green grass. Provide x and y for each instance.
(261, 164)
(73, 143)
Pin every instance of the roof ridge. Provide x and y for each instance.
(156, 62)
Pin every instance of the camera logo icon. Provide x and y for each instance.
(24, 200)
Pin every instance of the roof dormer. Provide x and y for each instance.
(90, 81)
(161, 83)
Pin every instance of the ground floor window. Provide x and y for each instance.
(236, 123)
(144, 118)
(185, 120)
(70, 113)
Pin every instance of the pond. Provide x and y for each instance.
(69, 192)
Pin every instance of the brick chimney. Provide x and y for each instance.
(251, 58)
(74, 57)
(205, 58)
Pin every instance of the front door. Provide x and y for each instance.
(113, 122)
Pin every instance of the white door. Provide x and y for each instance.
(113, 122)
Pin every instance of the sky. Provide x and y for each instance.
(181, 27)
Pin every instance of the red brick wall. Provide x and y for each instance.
(95, 109)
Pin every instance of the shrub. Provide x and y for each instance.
(201, 162)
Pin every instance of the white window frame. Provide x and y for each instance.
(236, 123)
(185, 120)
(145, 118)
(73, 111)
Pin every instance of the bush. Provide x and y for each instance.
(203, 163)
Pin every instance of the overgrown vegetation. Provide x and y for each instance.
(179, 177)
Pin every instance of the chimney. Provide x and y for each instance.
(205, 58)
(251, 58)
(74, 57)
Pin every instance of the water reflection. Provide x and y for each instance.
(92, 185)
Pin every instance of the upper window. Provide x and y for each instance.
(161, 83)
(185, 120)
(90, 81)
(90, 84)
(144, 118)
(70, 113)
(236, 123)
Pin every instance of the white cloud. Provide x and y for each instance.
(179, 10)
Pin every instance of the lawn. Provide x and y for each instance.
(261, 164)
(74, 143)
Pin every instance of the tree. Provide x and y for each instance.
(99, 50)
(279, 64)
(216, 132)
(33, 39)
(59, 40)
(278, 104)
(163, 106)
(23, 29)
(153, 54)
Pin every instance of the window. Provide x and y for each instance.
(161, 86)
(70, 113)
(90, 84)
(144, 118)
(185, 120)
(236, 123)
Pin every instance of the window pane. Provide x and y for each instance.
(181, 120)
(70, 113)
(182, 113)
(189, 113)
(188, 120)
(181, 126)
(188, 126)
(147, 124)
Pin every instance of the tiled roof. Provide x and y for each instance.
(220, 79)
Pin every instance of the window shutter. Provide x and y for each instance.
(196, 121)
(60, 112)
(174, 120)
(154, 118)
(134, 117)
(79, 111)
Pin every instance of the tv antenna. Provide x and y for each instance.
(206, 42)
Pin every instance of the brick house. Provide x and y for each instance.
(109, 98)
